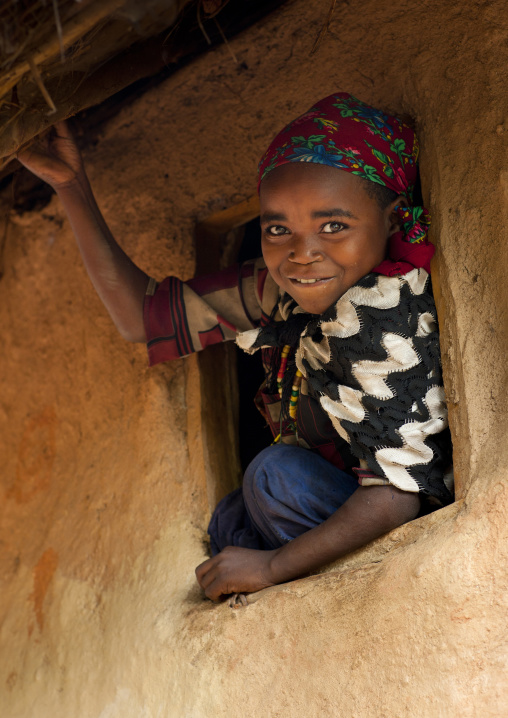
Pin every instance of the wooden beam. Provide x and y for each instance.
(210, 234)
(231, 218)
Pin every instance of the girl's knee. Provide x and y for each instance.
(269, 468)
(257, 469)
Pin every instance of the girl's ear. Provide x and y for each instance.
(393, 217)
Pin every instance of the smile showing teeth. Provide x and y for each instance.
(309, 281)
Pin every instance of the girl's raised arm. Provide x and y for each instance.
(120, 284)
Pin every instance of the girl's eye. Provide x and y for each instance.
(332, 227)
(275, 230)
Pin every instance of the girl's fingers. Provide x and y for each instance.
(209, 578)
(203, 569)
(215, 590)
(237, 600)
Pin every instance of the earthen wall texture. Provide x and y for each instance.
(104, 502)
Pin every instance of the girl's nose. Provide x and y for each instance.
(305, 250)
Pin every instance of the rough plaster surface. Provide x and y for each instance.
(103, 473)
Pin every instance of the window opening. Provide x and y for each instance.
(229, 236)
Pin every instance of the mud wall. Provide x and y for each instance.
(103, 482)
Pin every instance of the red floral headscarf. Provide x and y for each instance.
(343, 132)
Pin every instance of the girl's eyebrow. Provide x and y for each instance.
(272, 217)
(268, 217)
(328, 213)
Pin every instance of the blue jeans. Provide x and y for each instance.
(286, 491)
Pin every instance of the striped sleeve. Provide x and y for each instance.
(184, 317)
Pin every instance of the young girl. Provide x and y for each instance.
(342, 311)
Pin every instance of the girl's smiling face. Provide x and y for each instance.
(321, 232)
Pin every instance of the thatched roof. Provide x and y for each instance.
(58, 57)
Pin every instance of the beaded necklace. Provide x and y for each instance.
(295, 389)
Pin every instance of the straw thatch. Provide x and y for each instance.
(58, 57)
(51, 49)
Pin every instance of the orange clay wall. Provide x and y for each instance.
(104, 474)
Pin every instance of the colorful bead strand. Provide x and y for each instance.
(295, 389)
(295, 393)
(283, 364)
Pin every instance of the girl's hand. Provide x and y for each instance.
(236, 570)
(54, 157)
